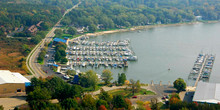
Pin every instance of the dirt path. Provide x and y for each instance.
(11, 103)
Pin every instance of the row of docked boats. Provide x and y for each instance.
(202, 67)
(104, 43)
(92, 53)
(98, 64)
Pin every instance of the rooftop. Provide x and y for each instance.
(207, 92)
(11, 77)
(59, 40)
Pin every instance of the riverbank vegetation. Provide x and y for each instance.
(98, 14)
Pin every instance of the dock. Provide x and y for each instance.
(200, 72)
(117, 54)
(202, 68)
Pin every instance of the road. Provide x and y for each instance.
(31, 62)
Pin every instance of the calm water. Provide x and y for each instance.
(173, 47)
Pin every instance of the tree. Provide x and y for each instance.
(135, 86)
(72, 30)
(179, 84)
(39, 98)
(57, 56)
(69, 104)
(58, 32)
(101, 102)
(45, 26)
(89, 102)
(119, 102)
(89, 79)
(102, 107)
(105, 96)
(1, 107)
(121, 78)
(64, 60)
(92, 28)
(154, 104)
(71, 72)
(107, 76)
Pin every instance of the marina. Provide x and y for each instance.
(116, 54)
(163, 54)
(202, 68)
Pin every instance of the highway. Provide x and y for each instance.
(31, 61)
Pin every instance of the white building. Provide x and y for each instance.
(12, 82)
(207, 93)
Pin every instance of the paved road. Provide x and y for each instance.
(31, 62)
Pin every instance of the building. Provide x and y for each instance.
(11, 82)
(207, 93)
(33, 29)
(65, 40)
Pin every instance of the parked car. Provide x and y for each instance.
(134, 96)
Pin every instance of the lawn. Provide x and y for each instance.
(128, 92)
(90, 89)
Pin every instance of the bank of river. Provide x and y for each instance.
(173, 46)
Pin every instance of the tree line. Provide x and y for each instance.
(125, 13)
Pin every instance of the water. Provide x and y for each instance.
(161, 48)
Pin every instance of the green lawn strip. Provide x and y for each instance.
(90, 89)
(128, 92)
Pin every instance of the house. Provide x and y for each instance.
(11, 82)
(198, 18)
(207, 93)
(33, 29)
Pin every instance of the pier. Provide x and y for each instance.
(202, 68)
(200, 72)
(116, 54)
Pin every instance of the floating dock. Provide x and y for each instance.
(202, 68)
(82, 52)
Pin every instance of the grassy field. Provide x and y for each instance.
(11, 55)
(128, 92)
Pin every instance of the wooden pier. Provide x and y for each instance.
(201, 70)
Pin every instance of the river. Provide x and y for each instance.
(161, 48)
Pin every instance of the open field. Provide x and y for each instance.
(11, 54)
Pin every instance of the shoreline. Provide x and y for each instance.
(135, 28)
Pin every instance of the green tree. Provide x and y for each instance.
(72, 30)
(71, 72)
(45, 26)
(179, 84)
(58, 32)
(69, 104)
(1, 107)
(39, 98)
(89, 79)
(64, 60)
(105, 96)
(107, 76)
(102, 102)
(57, 56)
(88, 102)
(121, 78)
(119, 102)
(92, 28)
(135, 86)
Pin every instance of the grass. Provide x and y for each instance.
(128, 93)
(90, 89)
